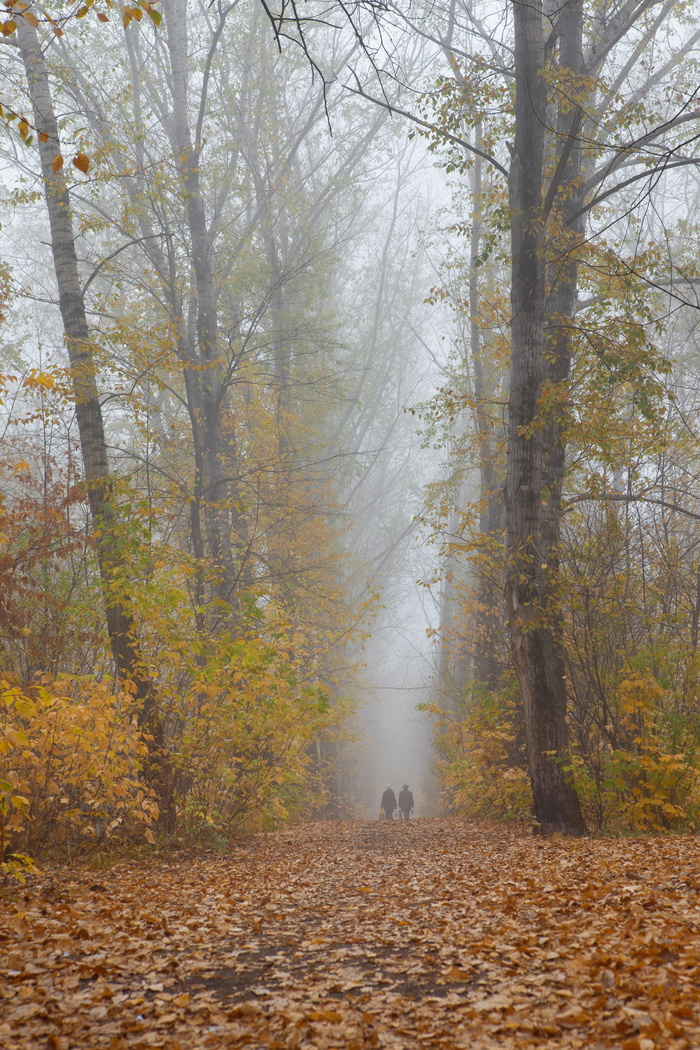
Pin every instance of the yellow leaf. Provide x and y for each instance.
(43, 380)
(17, 739)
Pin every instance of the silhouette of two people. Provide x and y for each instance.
(404, 805)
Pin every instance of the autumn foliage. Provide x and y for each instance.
(246, 689)
(70, 756)
(242, 706)
(361, 935)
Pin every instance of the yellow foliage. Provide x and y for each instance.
(251, 717)
(482, 767)
(70, 761)
(638, 695)
(648, 782)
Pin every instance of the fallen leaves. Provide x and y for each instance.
(426, 933)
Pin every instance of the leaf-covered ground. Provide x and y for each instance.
(428, 933)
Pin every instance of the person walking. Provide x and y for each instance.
(405, 802)
(388, 803)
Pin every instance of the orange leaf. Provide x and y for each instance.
(81, 162)
(57, 163)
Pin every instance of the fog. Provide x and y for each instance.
(271, 361)
(392, 740)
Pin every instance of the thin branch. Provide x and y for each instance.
(618, 497)
(429, 127)
(623, 151)
(108, 258)
(567, 150)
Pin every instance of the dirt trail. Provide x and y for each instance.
(428, 933)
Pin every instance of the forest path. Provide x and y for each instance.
(411, 934)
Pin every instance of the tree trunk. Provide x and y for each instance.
(206, 370)
(536, 447)
(489, 633)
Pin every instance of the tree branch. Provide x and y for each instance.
(430, 127)
(618, 497)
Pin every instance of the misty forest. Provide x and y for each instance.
(349, 437)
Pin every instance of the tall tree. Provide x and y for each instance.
(128, 660)
(540, 361)
(554, 185)
(120, 624)
(576, 124)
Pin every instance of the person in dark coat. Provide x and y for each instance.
(389, 803)
(405, 802)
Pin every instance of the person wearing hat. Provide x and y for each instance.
(388, 802)
(405, 802)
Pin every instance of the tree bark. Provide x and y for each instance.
(536, 443)
(489, 635)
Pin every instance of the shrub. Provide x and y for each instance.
(250, 717)
(482, 762)
(70, 762)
